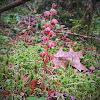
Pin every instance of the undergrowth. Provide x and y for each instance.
(20, 65)
(26, 63)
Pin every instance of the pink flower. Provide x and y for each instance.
(53, 11)
(43, 54)
(54, 21)
(47, 29)
(46, 13)
(44, 38)
(50, 44)
(51, 56)
(47, 24)
(51, 32)
(53, 5)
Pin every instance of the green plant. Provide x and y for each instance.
(75, 21)
(28, 91)
(37, 91)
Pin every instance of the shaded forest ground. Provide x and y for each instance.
(24, 62)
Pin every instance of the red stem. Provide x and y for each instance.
(46, 60)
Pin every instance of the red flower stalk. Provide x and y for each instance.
(43, 54)
(46, 14)
(45, 39)
(52, 12)
(51, 32)
(51, 44)
(47, 29)
(47, 24)
(53, 5)
(54, 21)
(51, 56)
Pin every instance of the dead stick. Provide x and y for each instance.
(97, 38)
(28, 6)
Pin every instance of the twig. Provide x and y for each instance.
(12, 5)
(28, 6)
(97, 38)
(81, 82)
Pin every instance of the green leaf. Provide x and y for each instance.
(42, 98)
(39, 48)
(35, 98)
(37, 32)
(57, 25)
(32, 98)
(2, 50)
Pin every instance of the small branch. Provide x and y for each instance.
(28, 6)
(12, 5)
(81, 82)
(97, 38)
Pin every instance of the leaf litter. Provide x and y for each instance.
(62, 57)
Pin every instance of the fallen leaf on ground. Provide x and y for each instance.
(62, 57)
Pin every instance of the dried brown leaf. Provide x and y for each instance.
(61, 58)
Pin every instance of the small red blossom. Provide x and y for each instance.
(54, 21)
(51, 56)
(46, 14)
(51, 32)
(52, 12)
(47, 24)
(44, 38)
(51, 44)
(47, 29)
(53, 5)
(43, 54)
